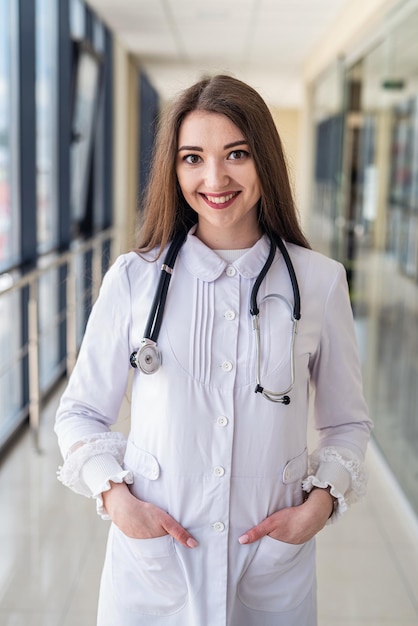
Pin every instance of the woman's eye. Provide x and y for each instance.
(236, 155)
(192, 159)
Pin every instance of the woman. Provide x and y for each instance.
(214, 508)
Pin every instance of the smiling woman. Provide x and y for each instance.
(242, 106)
(213, 500)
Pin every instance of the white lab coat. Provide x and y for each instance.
(207, 449)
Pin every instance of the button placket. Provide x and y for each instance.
(227, 298)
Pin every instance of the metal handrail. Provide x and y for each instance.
(31, 281)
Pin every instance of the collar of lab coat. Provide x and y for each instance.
(204, 263)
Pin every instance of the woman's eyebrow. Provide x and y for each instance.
(191, 148)
(239, 142)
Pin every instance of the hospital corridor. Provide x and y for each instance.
(84, 85)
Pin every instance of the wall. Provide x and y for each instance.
(125, 148)
(289, 124)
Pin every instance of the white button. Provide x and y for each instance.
(227, 366)
(218, 470)
(222, 420)
(229, 315)
(230, 270)
(219, 527)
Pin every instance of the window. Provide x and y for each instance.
(46, 118)
(9, 210)
(49, 358)
(77, 19)
(10, 370)
(46, 185)
(87, 67)
(10, 337)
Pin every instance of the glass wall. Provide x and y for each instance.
(9, 213)
(10, 371)
(374, 231)
(386, 277)
(46, 186)
(46, 120)
(10, 327)
(46, 46)
(328, 108)
(88, 198)
(77, 19)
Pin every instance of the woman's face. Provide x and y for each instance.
(218, 178)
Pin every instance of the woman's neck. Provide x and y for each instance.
(225, 240)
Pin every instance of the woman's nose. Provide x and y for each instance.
(216, 176)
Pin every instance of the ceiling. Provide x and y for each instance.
(264, 42)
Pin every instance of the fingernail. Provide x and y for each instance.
(192, 543)
(244, 539)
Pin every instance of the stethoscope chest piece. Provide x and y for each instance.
(147, 358)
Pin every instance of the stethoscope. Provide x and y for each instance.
(148, 357)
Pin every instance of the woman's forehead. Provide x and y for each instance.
(208, 128)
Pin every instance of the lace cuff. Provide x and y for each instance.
(341, 470)
(70, 473)
(122, 476)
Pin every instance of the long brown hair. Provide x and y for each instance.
(166, 211)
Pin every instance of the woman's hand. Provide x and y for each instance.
(295, 524)
(142, 520)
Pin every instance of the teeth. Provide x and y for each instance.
(220, 199)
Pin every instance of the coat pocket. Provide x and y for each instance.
(147, 575)
(141, 462)
(279, 577)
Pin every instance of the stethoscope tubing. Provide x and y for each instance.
(292, 274)
(282, 396)
(155, 317)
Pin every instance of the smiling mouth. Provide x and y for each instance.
(220, 201)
